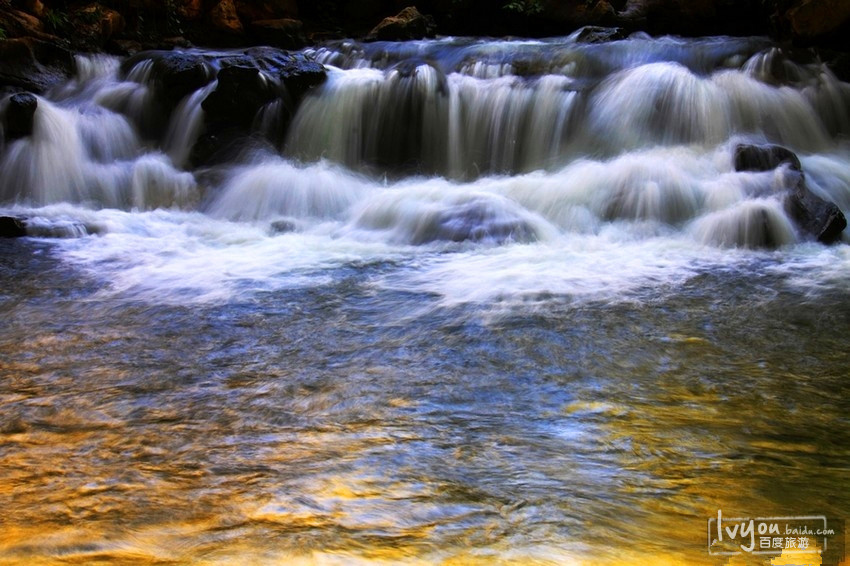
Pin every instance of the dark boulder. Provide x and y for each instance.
(300, 75)
(812, 214)
(764, 157)
(240, 93)
(295, 71)
(596, 34)
(173, 76)
(11, 227)
(20, 112)
(247, 81)
(406, 25)
(34, 65)
(178, 75)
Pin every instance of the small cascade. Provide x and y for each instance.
(451, 140)
(434, 213)
(89, 155)
(418, 119)
(758, 223)
(187, 123)
(275, 188)
(47, 166)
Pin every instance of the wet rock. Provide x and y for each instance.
(764, 157)
(256, 76)
(248, 80)
(20, 112)
(596, 34)
(180, 74)
(474, 221)
(283, 226)
(406, 25)
(34, 65)
(295, 70)
(11, 227)
(300, 75)
(284, 33)
(812, 214)
(240, 93)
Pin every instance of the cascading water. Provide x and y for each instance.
(489, 253)
(632, 131)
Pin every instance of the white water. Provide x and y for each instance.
(604, 174)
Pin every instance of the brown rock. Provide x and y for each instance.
(812, 20)
(224, 18)
(34, 7)
(94, 25)
(21, 24)
(190, 9)
(406, 25)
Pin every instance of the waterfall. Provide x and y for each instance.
(451, 140)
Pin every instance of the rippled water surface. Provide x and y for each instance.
(348, 421)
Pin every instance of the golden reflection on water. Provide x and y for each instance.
(101, 463)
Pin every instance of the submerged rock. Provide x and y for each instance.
(20, 112)
(474, 221)
(764, 157)
(283, 226)
(11, 227)
(812, 214)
